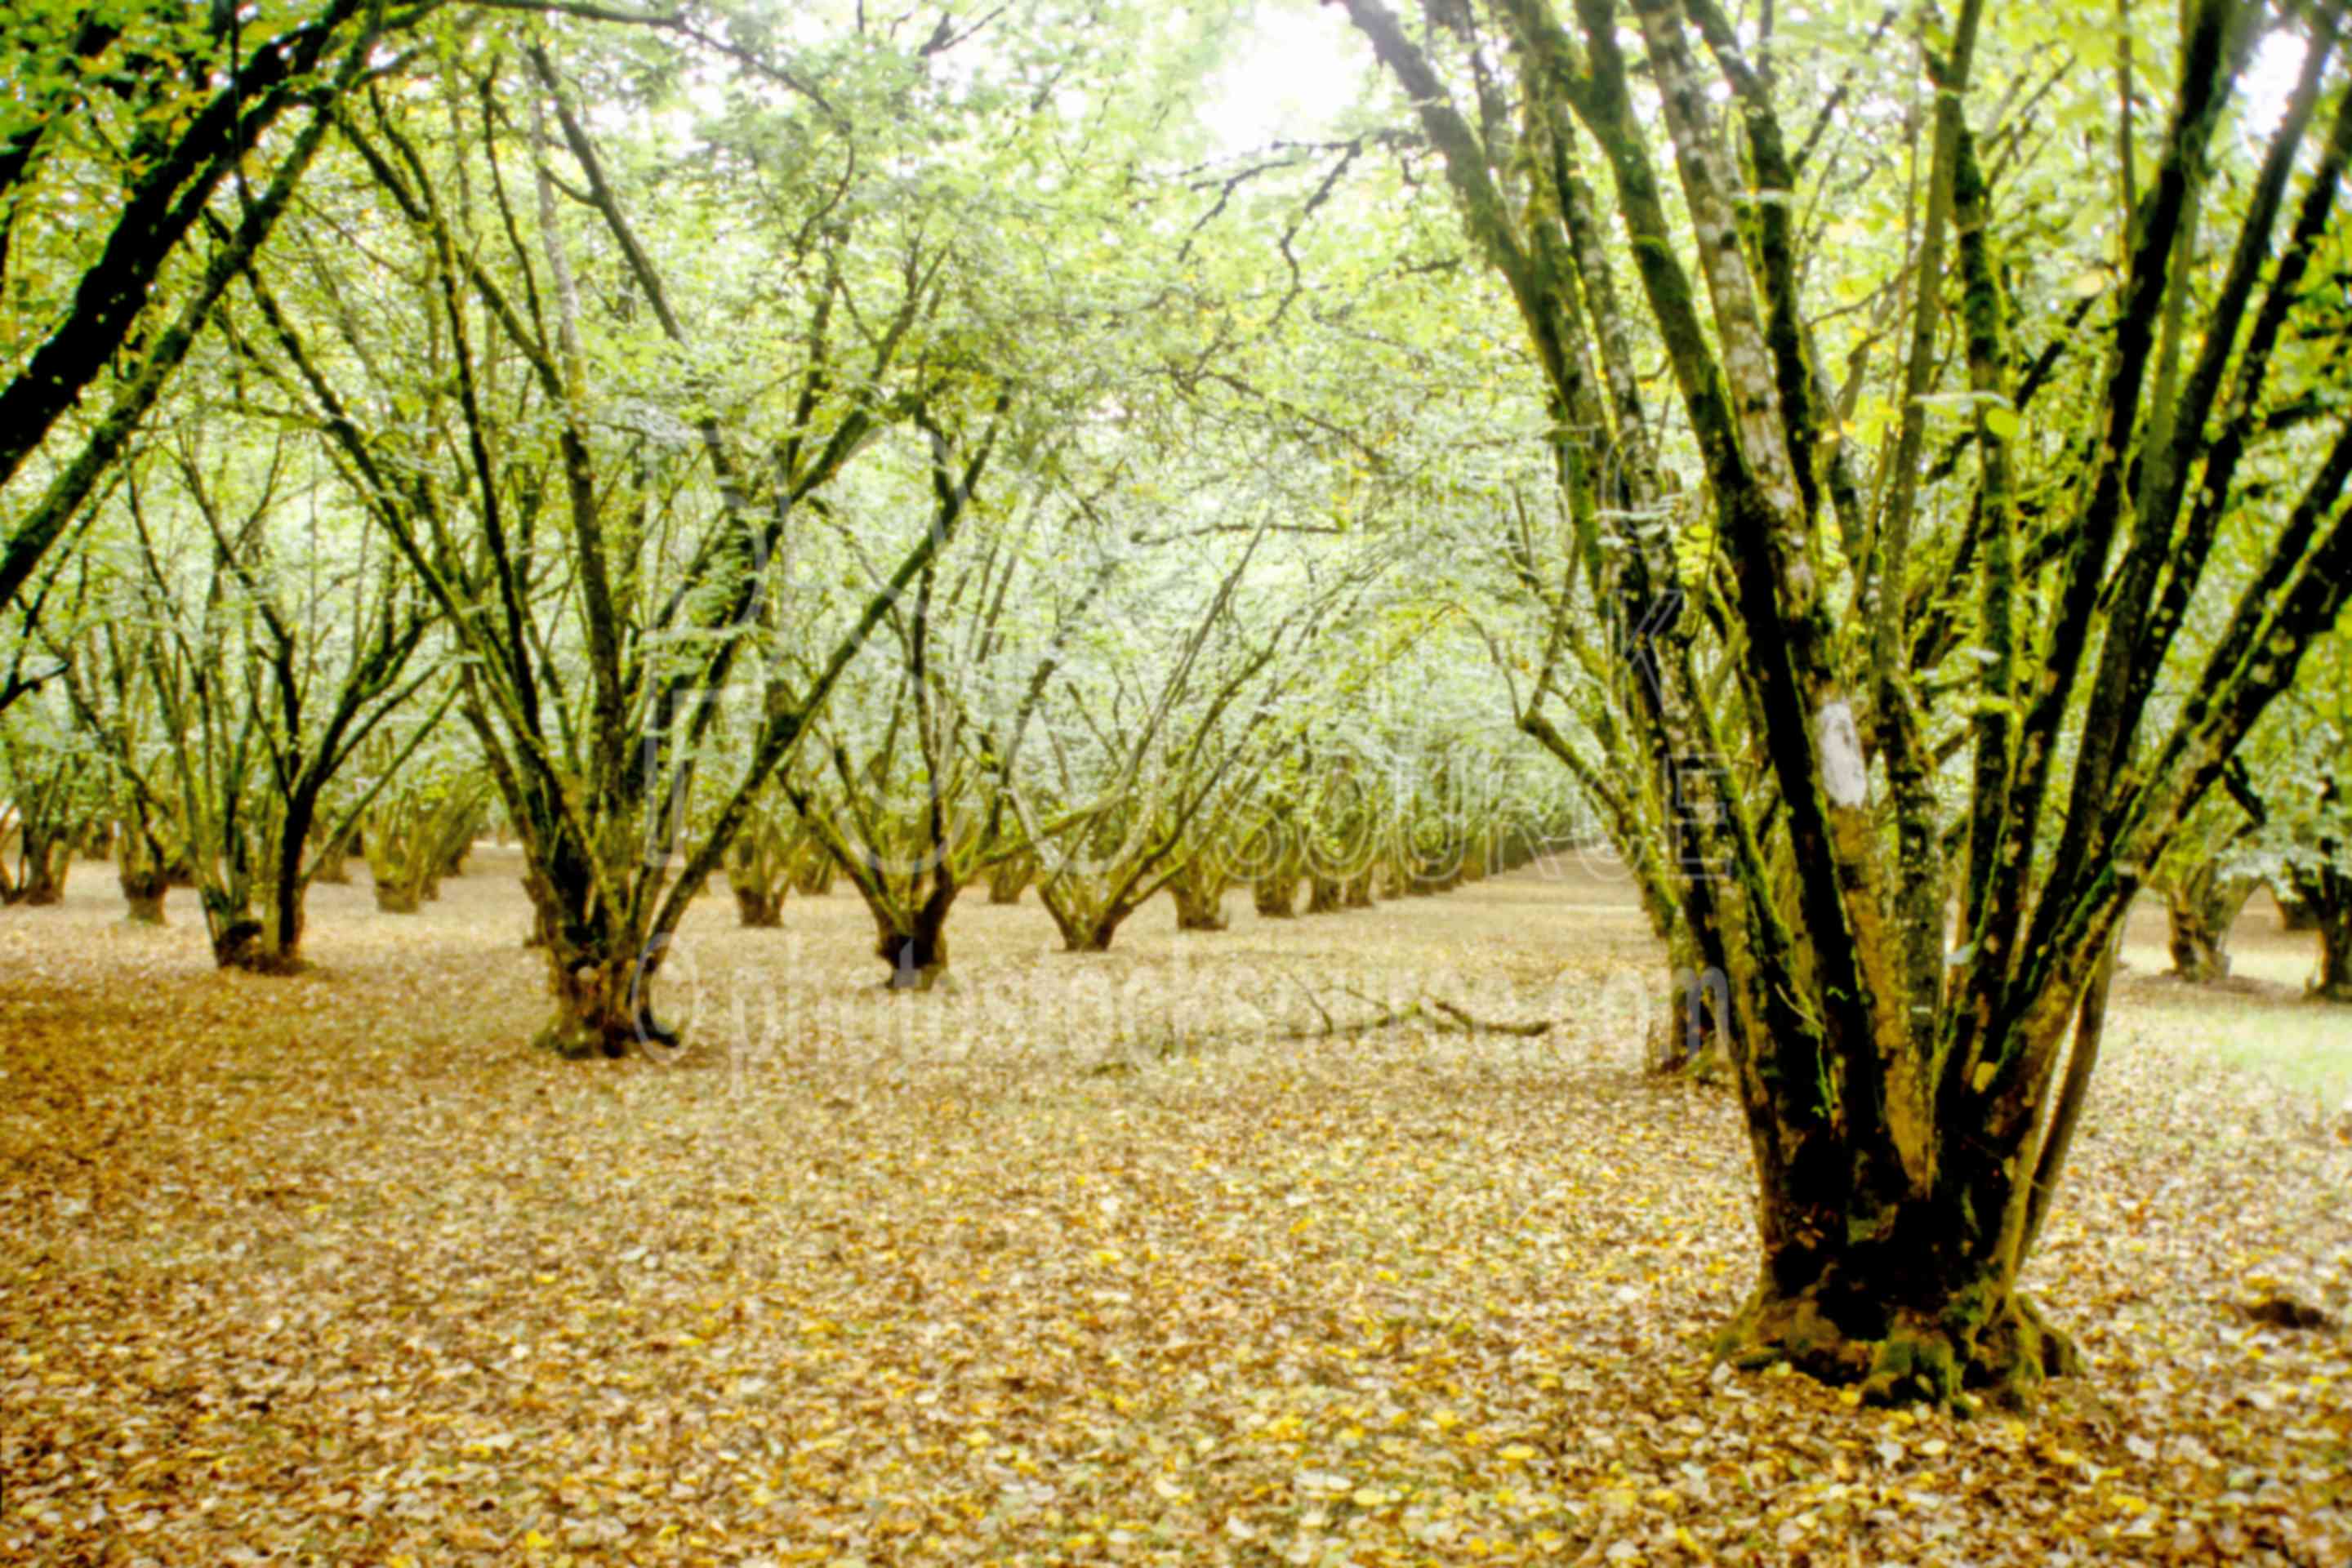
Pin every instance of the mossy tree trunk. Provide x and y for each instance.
(43, 857)
(45, 803)
(141, 869)
(760, 871)
(1909, 1100)
(1010, 877)
(1200, 893)
(1275, 895)
(2199, 915)
(914, 943)
(2324, 891)
(335, 852)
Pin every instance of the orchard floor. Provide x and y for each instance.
(1150, 1257)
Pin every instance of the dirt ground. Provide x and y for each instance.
(1157, 1256)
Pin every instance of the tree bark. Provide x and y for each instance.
(44, 859)
(2199, 945)
(1200, 895)
(600, 970)
(762, 909)
(2332, 920)
(1900, 1315)
(917, 958)
(1010, 877)
(1276, 895)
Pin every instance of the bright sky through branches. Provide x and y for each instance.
(1295, 76)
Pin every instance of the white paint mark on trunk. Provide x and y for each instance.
(1844, 775)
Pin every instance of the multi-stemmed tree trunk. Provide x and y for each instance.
(142, 869)
(1199, 891)
(1161, 795)
(1909, 1105)
(1275, 894)
(1011, 877)
(412, 838)
(2198, 912)
(2323, 889)
(605, 593)
(1096, 878)
(262, 689)
(760, 869)
(2333, 980)
(177, 108)
(43, 819)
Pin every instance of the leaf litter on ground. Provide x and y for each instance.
(335, 1270)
